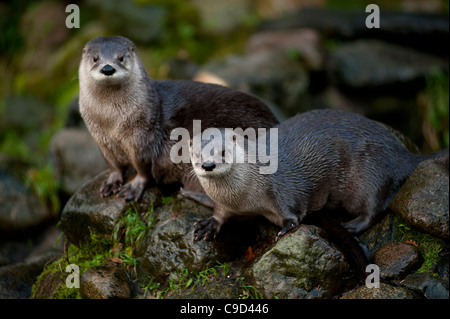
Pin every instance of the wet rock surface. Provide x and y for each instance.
(72, 169)
(396, 259)
(302, 265)
(423, 199)
(87, 211)
(352, 64)
(384, 292)
(19, 210)
(105, 282)
(427, 285)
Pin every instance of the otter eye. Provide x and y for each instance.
(121, 59)
(95, 58)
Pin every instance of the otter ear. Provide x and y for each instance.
(132, 49)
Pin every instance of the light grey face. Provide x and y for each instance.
(109, 60)
(210, 158)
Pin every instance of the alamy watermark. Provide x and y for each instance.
(73, 19)
(240, 146)
(73, 280)
(373, 279)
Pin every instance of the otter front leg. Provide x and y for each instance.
(134, 189)
(113, 184)
(208, 229)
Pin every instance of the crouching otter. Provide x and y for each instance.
(326, 159)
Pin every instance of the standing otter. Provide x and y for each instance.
(131, 116)
(326, 159)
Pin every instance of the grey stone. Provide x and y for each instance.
(397, 259)
(76, 158)
(384, 292)
(372, 63)
(302, 265)
(86, 211)
(105, 282)
(19, 209)
(423, 199)
(426, 285)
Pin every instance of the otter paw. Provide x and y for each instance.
(288, 225)
(206, 229)
(107, 189)
(132, 190)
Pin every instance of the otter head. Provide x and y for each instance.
(214, 155)
(109, 60)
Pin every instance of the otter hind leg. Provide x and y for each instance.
(358, 224)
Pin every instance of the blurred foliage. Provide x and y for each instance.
(434, 102)
(30, 67)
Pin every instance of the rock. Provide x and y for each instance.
(277, 78)
(305, 43)
(86, 211)
(170, 246)
(19, 210)
(105, 282)
(423, 199)
(418, 30)
(426, 285)
(76, 158)
(16, 280)
(25, 114)
(376, 64)
(384, 292)
(397, 259)
(302, 265)
(379, 235)
(442, 267)
(30, 245)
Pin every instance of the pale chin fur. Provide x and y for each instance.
(117, 77)
(218, 171)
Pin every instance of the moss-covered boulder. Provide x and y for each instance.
(423, 199)
(302, 265)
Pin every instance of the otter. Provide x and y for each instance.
(326, 159)
(130, 115)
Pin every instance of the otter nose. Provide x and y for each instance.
(208, 166)
(108, 70)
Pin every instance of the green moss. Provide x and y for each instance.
(430, 247)
(120, 247)
(183, 282)
(95, 253)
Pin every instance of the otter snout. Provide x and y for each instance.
(108, 70)
(208, 166)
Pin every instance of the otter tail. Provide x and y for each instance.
(440, 157)
(345, 241)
